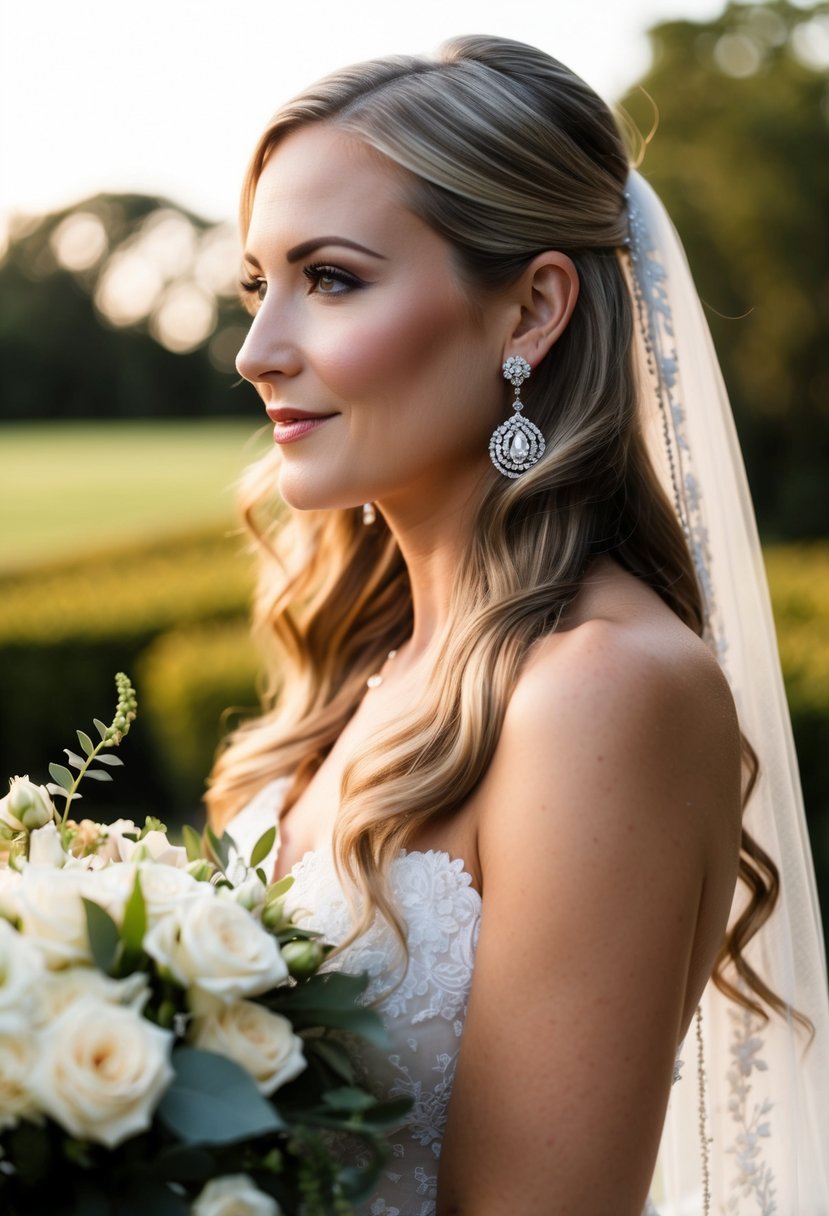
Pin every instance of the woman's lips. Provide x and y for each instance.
(291, 424)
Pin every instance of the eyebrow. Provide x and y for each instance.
(302, 250)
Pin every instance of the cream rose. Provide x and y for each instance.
(261, 1042)
(26, 806)
(16, 1060)
(234, 1195)
(45, 847)
(21, 971)
(155, 846)
(215, 945)
(101, 1070)
(52, 914)
(165, 888)
(10, 881)
(60, 989)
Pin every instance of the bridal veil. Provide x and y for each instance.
(765, 1085)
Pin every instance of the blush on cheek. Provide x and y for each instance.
(396, 351)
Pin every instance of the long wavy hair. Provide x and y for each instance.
(507, 153)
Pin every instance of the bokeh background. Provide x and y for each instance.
(123, 136)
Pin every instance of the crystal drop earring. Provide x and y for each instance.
(369, 514)
(517, 444)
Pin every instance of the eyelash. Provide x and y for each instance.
(313, 273)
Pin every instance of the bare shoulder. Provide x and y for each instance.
(630, 685)
(627, 717)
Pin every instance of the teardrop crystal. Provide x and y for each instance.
(519, 449)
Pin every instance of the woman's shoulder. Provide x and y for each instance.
(625, 713)
(622, 660)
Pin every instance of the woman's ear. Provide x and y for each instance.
(546, 294)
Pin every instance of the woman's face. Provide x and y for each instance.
(381, 378)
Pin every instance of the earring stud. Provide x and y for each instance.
(517, 444)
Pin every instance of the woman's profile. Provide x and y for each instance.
(512, 737)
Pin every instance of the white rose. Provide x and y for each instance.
(17, 1053)
(10, 881)
(45, 847)
(101, 1070)
(52, 915)
(21, 971)
(110, 887)
(261, 1042)
(60, 989)
(216, 946)
(165, 888)
(249, 894)
(154, 847)
(234, 1195)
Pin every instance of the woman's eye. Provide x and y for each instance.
(330, 280)
(253, 289)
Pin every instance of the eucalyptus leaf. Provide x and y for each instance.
(192, 843)
(263, 846)
(218, 847)
(62, 775)
(211, 1100)
(75, 760)
(135, 921)
(86, 743)
(103, 932)
(334, 1056)
(278, 889)
(350, 1099)
(101, 727)
(98, 774)
(109, 758)
(332, 990)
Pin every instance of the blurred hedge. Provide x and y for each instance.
(172, 614)
(65, 629)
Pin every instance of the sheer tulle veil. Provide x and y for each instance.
(766, 1085)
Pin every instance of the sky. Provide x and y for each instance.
(168, 97)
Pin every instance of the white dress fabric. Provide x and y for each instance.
(424, 1007)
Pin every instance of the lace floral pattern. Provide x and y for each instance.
(754, 1178)
(423, 1006)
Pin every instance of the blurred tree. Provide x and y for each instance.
(741, 159)
(121, 306)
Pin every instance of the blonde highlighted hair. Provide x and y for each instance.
(507, 153)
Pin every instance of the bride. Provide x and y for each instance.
(507, 623)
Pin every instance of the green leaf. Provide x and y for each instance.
(218, 847)
(109, 758)
(98, 774)
(62, 776)
(192, 843)
(333, 990)
(334, 1056)
(103, 935)
(101, 727)
(135, 922)
(181, 1163)
(151, 1195)
(211, 1100)
(350, 1099)
(277, 889)
(75, 760)
(86, 743)
(263, 846)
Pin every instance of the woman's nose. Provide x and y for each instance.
(266, 352)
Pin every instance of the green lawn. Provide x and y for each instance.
(71, 487)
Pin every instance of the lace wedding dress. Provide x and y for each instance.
(425, 1006)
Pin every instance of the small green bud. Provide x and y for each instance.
(302, 958)
(201, 869)
(273, 916)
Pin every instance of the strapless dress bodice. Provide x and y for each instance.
(422, 999)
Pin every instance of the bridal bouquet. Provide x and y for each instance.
(167, 1043)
